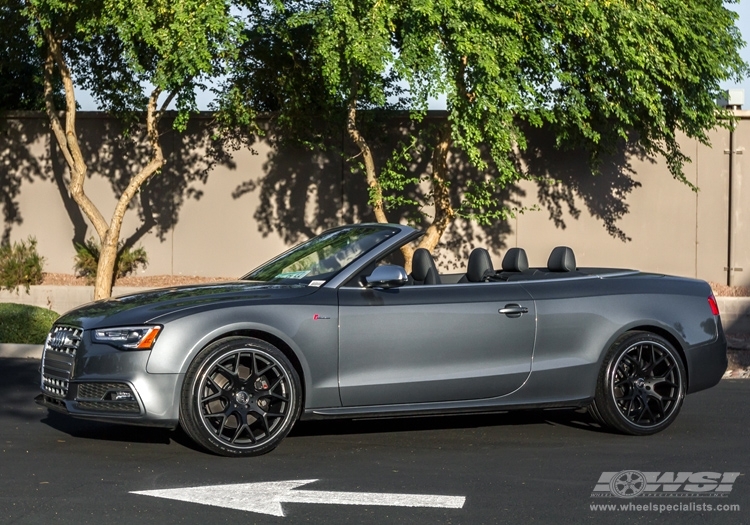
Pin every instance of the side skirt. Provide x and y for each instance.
(432, 409)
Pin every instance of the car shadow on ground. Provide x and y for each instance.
(559, 417)
(80, 428)
(100, 431)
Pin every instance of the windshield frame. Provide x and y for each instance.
(327, 239)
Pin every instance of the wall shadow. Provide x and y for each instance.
(303, 192)
(117, 156)
(566, 176)
(19, 163)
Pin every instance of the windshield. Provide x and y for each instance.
(322, 257)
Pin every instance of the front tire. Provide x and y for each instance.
(241, 397)
(641, 385)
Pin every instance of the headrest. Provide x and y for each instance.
(515, 260)
(480, 264)
(421, 264)
(562, 259)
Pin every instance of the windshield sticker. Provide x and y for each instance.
(316, 284)
(293, 275)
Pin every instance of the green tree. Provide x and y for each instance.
(595, 71)
(137, 57)
(21, 85)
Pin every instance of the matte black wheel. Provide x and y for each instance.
(241, 397)
(641, 385)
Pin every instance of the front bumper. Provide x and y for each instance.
(152, 401)
(99, 382)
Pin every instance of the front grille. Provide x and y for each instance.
(58, 359)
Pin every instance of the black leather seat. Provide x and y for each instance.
(480, 267)
(516, 266)
(562, 259)
(423, 269)
(515, 260)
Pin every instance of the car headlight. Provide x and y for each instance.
(131, 337)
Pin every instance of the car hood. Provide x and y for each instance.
(146, 307)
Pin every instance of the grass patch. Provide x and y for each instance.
(24, 324)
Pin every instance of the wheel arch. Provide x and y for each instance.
(276, 341)
(671, 338)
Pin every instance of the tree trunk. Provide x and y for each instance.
(105, 270)
(376, 192)
(444, 212)
(67, 140)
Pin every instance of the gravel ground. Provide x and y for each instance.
(723, 290)
(152, 281)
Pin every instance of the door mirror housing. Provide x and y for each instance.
(387, 276)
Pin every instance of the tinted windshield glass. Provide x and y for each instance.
(323, 256)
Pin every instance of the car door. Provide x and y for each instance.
(448, 342)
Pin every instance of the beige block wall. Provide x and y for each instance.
(670, 228)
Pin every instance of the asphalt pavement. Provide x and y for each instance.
(517, 468)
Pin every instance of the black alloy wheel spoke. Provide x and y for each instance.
(660, 403)
(214, 384)
(641, 412)
(264, 420)
(238, 432)
(230, 375)
(210, 398)
(646, 384)
(246, 416)
(220, 430)
(653, 394)
(658, 361)
(647, 408)
(278, 396)
(634, 365)
(266, 370)
(625, 381)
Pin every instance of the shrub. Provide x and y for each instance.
(24, 324)
(20, 265)
(87, 260)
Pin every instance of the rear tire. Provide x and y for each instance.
(241, 396)
(641, 385)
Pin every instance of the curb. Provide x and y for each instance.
(17, 351)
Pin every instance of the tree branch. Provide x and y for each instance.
(68, 141)
(370, 173)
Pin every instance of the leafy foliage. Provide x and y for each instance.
(128, 260)
(595, 72)
(20, 265)
(138, 58)
(21, 85)
(24, 324)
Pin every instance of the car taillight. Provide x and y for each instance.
(713, 304)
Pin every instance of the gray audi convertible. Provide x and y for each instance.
(336, 328)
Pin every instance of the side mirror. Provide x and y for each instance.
(387, 276)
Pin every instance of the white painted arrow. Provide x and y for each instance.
(267, 497)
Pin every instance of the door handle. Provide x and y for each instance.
(513, 310)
